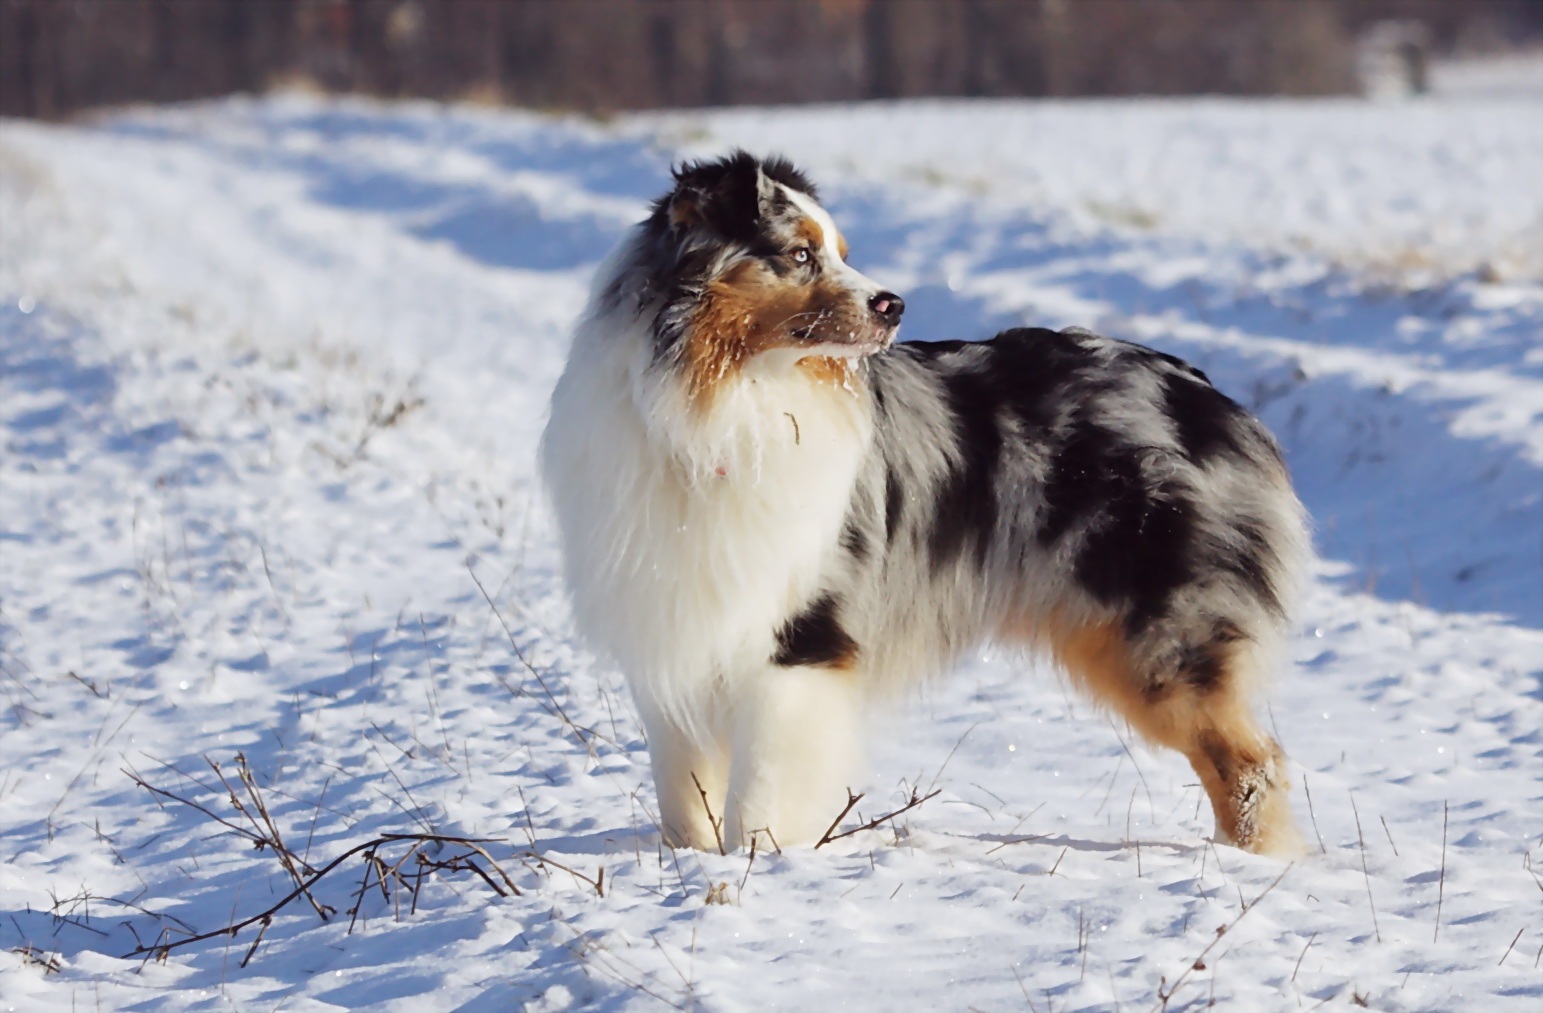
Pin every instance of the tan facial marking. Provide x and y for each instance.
(808, 233)
(841, 245)
(749, 311)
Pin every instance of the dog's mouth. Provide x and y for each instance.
(856, 343)
(845, 349)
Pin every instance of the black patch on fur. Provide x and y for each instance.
(854, 541)
(681, 279)
(1039, 370)
(1205, 419)
(1140, 552)
(1091, 469)
(1013, 388)
(776, 264)
(1204, 666)
(1178, 363)
(722, 192)
(778, 204)
(1249, 563)
(1215, 750)
(725, 194)
(966, 508)
(894, 502)
(785, 172)
(1136, 531)
(935, 350)
(1139, 539)
(815, 637)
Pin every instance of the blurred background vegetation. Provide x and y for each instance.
(61, 56)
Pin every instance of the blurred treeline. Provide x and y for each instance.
(60, 56)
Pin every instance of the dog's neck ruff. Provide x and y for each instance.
(690, 537)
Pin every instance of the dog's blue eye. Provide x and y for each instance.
(801, 255)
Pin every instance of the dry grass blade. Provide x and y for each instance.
(1441, 889)
(49, 962)
(1514, 940)
(1165, 995)
(1376, 929)
(597, 882)
(1307, 787)
(257, 840)
(1301, 956)
(551, 706)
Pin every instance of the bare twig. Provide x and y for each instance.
(293, 864)
(713, 821)
(253, 948)
(1024, 989)
(754, 840)
(264, 832)
(95, 690)
(49, 962)
(852, 800)
(161, 947)
(1016, 840)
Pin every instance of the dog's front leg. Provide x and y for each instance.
(796, 750)
(691, 780)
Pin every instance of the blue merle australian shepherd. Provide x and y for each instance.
(771, 515)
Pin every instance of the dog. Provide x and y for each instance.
(772, 515)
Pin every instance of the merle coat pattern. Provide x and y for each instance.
(772, 514)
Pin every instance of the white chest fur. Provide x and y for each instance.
(689, 537)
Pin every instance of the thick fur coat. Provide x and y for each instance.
(771, 514)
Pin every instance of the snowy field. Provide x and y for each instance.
(274, 569)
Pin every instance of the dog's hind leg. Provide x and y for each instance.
(1199, 706)
(691, 780)
(796, 750)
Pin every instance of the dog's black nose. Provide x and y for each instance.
(888, 306)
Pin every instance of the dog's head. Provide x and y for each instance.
(744, 270)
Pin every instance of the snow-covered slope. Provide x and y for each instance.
(271, 374)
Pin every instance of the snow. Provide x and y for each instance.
(1513, 74)
(271, 373)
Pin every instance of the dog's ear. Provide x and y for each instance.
(725, 196)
